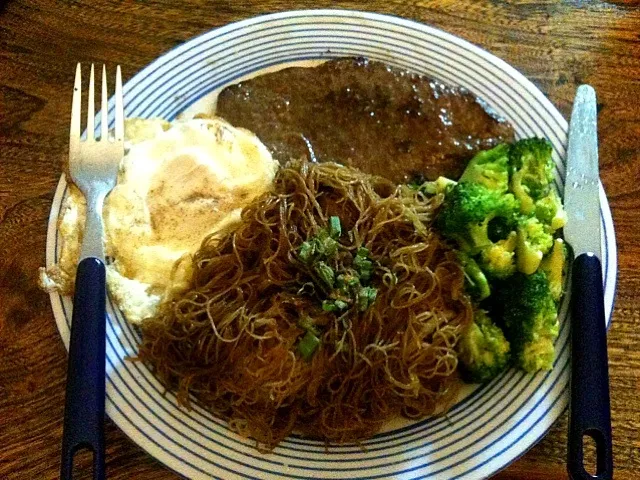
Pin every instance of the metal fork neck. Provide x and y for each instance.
(92, 241)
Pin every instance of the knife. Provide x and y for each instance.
(590, 413)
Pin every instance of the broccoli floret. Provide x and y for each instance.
(533, 243)
(483, 350)
(530, 319)
(489, 168)
(549, 211)
(554, 266)
(497, 260)
(476, 283)
(531, 171)
(500, 228)
(467, 210)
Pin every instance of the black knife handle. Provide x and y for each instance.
(590, 412)
(84, 404)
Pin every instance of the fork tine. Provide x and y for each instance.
(90, 108)
(104, 122)
(74, 133)
(119, 110)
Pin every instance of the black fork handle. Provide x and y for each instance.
(84, 404)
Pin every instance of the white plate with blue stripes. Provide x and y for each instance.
(491, 425)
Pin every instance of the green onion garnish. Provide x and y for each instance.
(341, 285)
(362, 264)
(335, 229)
(330, 247)
(308, 345)
(366, 297)
(326, 273)
(306, 251)
(329, 306)
(341, 304)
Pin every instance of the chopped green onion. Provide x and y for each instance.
(322, 235)
(306, 251)
(318, 246)
(366, 297)
(329, 306)
(364, 268)
(330, 247)
(335, 229)
(365, 275)
(308, 345)
(340, 304)
(326, 273)
(372, 294)
(347, 280)
(334, 305)
(361, 262)
(343, 289)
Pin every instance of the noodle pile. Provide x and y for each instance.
(230, 341)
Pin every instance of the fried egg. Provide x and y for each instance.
(178, 182)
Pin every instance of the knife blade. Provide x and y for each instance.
(581, 194)
(590, 413)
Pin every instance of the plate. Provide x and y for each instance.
(488, 428)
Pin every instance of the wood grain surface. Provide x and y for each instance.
(557, 44)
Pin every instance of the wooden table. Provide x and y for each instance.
(557, 44)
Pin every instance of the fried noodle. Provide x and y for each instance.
(230, 341)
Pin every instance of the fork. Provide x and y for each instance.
(93, 168)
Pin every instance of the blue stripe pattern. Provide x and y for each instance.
(486, 430)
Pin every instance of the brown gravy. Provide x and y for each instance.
(362, 113)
